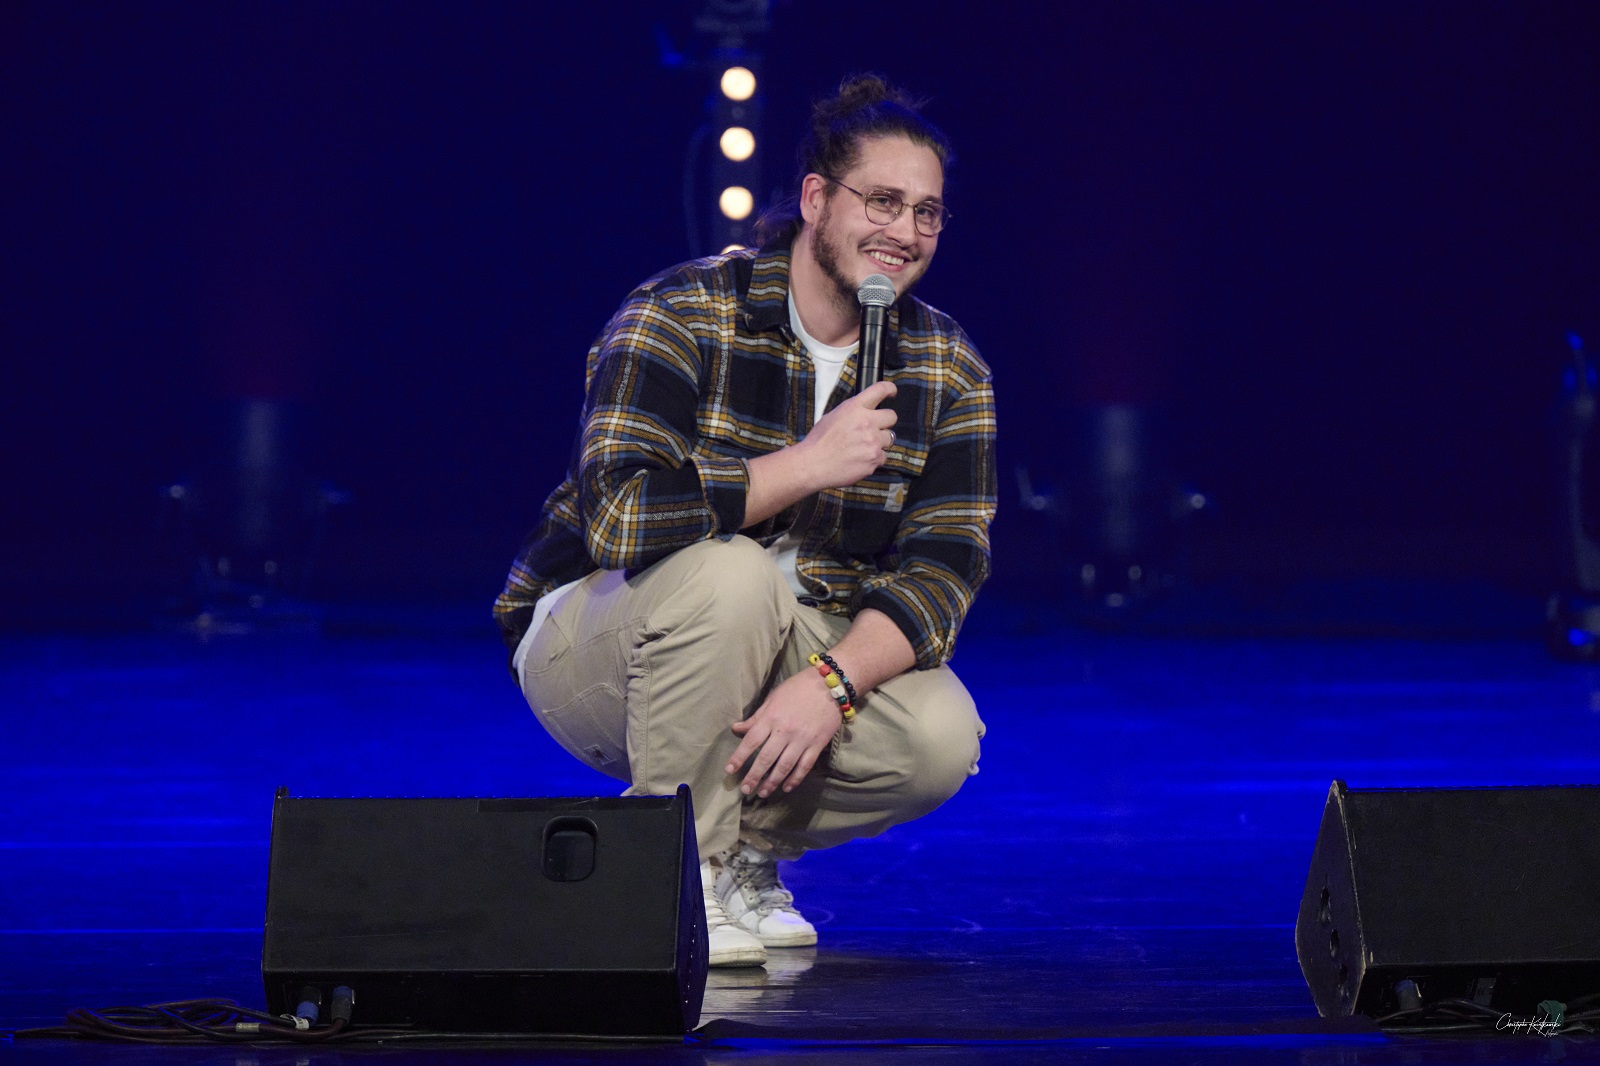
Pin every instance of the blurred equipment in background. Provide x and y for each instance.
(247, 529)
(1119, 524)
(722, 182)
(1572, 617)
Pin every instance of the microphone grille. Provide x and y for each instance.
(875, 291)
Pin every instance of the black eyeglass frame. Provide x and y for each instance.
(901, 205)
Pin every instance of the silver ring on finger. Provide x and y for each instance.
(891, 438)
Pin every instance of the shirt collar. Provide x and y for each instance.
(766, 297)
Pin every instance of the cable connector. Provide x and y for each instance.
(1408, 994)
(305, 1015)
(344, 1004)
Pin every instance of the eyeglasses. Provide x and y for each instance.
(883, 208)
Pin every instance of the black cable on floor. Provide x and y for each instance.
(206, 1021)
(1467, 1016)
(189, 1021)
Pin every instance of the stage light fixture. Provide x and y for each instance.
(738, 83)
(736, 202)
(738, 143)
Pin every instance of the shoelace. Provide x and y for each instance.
(717, 915)
(762, 875)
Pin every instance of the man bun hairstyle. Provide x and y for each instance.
(866, 107)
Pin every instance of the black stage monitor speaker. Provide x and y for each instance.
(1486, 894)
(479, 915)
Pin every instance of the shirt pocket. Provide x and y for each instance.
(745, 413)
(874, 505)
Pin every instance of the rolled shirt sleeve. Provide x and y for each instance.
(942, 542)
(643, 491)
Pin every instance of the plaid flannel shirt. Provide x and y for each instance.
(697, 373)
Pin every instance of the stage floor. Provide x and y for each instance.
(1118, 884)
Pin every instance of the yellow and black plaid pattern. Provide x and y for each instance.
(697, 373)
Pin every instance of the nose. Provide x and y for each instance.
(904, 228)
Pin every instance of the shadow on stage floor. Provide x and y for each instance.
(1118, 884)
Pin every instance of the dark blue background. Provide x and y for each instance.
(1337, 248)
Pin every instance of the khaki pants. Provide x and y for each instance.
(641, 674)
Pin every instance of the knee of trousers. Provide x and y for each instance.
(733, 589)
(942, 742)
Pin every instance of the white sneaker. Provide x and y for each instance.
(731, 943)
(755, 898)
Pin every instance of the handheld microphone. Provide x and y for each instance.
(875, 294)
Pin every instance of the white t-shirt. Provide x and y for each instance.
(825, 358)
(828, 362)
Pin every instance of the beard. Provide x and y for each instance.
(826, 251)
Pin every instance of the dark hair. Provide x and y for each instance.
(866, 107)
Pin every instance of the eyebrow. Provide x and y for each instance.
(901, 193)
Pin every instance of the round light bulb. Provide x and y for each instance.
(738, 143)
(738, 83)
(736, 202)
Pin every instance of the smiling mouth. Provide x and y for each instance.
(888, 258)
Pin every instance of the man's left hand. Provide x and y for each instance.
(786, 734)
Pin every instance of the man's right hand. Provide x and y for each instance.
(848, 444)
(852, 440)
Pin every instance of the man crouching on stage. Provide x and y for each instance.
(753, 575)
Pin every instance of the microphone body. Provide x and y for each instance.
(875, 294)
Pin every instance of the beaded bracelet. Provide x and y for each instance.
(845, 681)
(837, 685)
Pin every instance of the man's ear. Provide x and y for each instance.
(813, 192)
